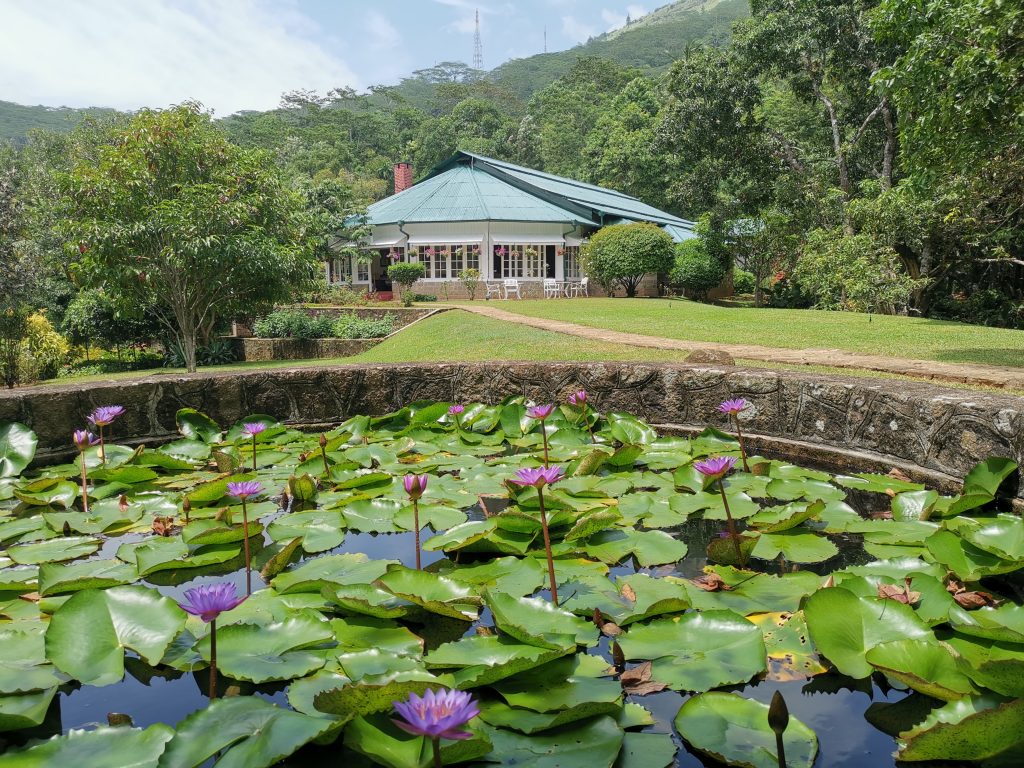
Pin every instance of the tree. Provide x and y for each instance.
(696, 269)
(406, 273)
(174, 216)
(624, 253)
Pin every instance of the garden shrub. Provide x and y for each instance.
(351, 326)
(43, 350)
(696, 270)
(13, 327)
(217, 352)
(293, 324)
(470, 279)
(405, 273)
(424, 297)
(624, 253)
(743, 282)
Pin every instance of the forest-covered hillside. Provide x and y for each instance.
(16, 120)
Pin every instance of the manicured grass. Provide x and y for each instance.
(463, 337)
(906, 337)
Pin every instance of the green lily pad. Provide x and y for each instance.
(735, 731)
(481, 660)
(968, 562)
(260, 653)
(245, 731)
(432, 592)
(646, 750)
(460, 536)
(371, 695)
(512, 575)
(331, 570)
(844, 626)
(648, 547)
(784, 518)
(698, 651)
(100, 748)
(990, 664)
(795, 546)
(927, 667)
(24, 710)
(197, 426)
(537, 622)
(320, 529)
(594, 743)
(62, 578)
(88, 633)
(378, 738)
(17, 448)
(971, 729)
(632, 598)
(25, 668)
(47, 491)
(53, 550)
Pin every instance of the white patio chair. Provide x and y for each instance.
(551, 289)
(512, 286)
(493, 290)
(583, 287)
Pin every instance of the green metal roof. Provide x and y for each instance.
(467, 193)
(593, 202)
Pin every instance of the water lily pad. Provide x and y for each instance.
(646, 750)
(197, 426)
(746, 592)
(368, 600)
(53, 550)
(17, 448)
(245, 731)
(460, 536)
(25, 667)
(795, 546)
(62, 578)
(432, 592)
(594, 743)
(971, 729)
(512, 575)
(47, 491)
(927, 667)
(844, 626)
(785, 517)
(698, 651)
(791, 654)
(735, 731)
(481, 660)
(437, 516)
(990, 664)
(377, 737)
(648, 547)
(537, 622)
(331, 570)
(968, 562)
(24, 710)
(319, 529)
(88, 634)
(99, 748)
(981, 485)
(260, 653)
(632, 598)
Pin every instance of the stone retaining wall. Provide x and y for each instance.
(264, 350)
(904, 424)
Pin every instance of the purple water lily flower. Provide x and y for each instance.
(106, 414)
(246, 488)
(715, 466)
(83, 438)
(415, 485)
(540, 411)
(455, 410)
(538, 477)
(578, 398)
(438, 714)
(733, 407)
(211, 600)
(254, 428)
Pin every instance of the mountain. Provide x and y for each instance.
(16, 120)
(651, 43)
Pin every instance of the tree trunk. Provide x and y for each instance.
(889, 151)
(758, 294)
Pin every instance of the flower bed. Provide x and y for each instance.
(603, 594)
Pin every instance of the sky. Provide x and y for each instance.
(234, 55)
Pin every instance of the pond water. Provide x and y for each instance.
(840, 709)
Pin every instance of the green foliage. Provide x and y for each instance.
(696, 270)
(743, 282)
(351, 326)
(13, 329)
(293, 324)
(43, 350)
(470, 279)
(624, 253)
(854, 273)
(217, 352)
(405, 274)
(173, 216)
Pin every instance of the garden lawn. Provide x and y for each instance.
(906, 337)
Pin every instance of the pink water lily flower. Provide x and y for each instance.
(540, 411)
(254, 428)
(578, 398)
(538, 477)
(733, 407)
(105, 414)
(211, 600)
(246, 488)
(83, 439)
(437, 714)
(415, 485)
(455, 410)
(715, 466)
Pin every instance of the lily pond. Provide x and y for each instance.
(886, 615)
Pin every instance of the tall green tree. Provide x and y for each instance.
(175, 216)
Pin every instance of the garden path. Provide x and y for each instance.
(998, 377)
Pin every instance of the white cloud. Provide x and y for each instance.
(615, 19)
(576, 30)
(228, 54)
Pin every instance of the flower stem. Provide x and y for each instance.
(732, 525)
(739, 437)
(436, 741)
(547, 547)
(323, 455)
(544, 436)
(213, 659)
(248, 560)
(586, 423)
(85, 486)
(416, 525)
(103, 450)
(254, 453)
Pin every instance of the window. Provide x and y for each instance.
(445, 260)
(571, 262)
(525, 261)
(341, 269)
(458, 254)
(363, 272)
(473, 257)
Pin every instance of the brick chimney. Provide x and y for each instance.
(403, 177)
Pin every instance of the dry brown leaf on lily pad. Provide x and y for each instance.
(637, 681)
(969, 599)
(899, 594)
(611, 629)
(628, 593)
(711, 582)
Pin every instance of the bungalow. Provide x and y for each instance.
(504, 220)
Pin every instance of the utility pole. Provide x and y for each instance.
(478, 46)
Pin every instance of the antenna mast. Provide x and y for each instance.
(478, 46)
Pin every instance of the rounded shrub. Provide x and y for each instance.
(743, 281)
(624, 253)
(696, 270)
(405, 273)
